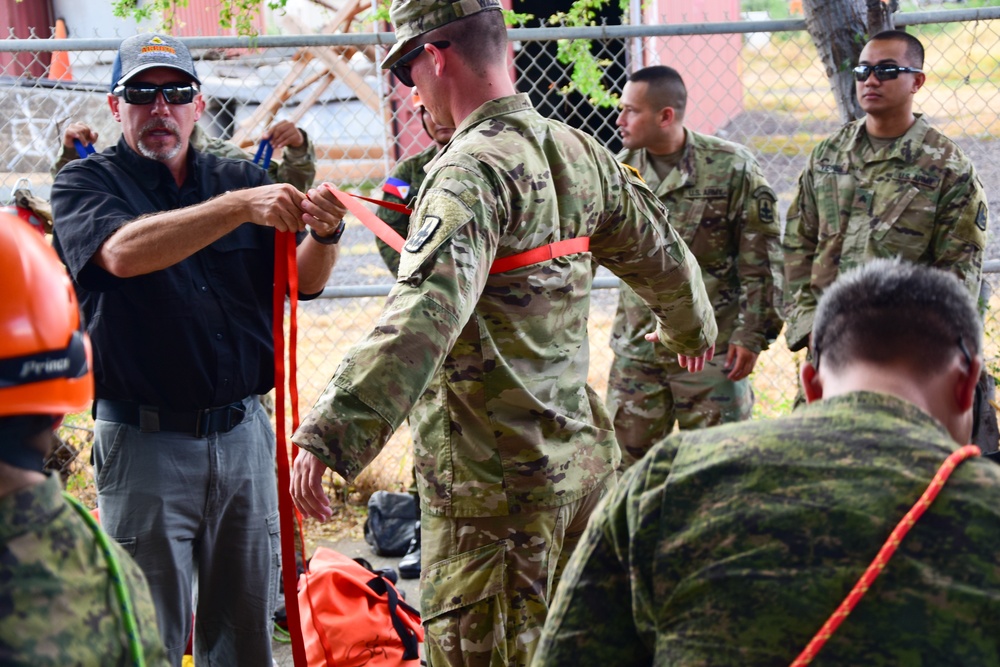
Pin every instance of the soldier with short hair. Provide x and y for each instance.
(405, 179)
(723, 208)
(733, 545)
(491, 302)
(888, 185)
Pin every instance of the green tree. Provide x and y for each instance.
(239, 14)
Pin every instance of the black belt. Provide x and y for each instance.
(151, 419)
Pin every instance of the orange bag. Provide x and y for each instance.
(352, 616)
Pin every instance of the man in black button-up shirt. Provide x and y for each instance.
(171, 252)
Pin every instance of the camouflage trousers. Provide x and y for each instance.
(487, 582)
(645, 398)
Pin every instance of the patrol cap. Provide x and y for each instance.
(148, 50)
(116, 71)
(412, 18)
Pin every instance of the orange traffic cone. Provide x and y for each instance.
(59, 69)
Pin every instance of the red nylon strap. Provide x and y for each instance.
(286, 278)
(388, 235)
(884, 554)
(392, 206)
(543, 254)
(391, 238)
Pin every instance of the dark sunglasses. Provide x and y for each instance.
(401, 68)
(145, 93)
(883, 72)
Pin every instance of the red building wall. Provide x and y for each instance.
(201, 19)
(21, 20)
(710, 64)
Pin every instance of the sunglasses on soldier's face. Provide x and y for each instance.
(882, 72)
(401, 68)
(145, 93)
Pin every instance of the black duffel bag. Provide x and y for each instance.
(391, 522)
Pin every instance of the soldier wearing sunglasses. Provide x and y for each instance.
(888, 185)
(171, 251)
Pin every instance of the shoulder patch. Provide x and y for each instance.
(982, 216)
(634, 171)
(417, 241)
(764, 196)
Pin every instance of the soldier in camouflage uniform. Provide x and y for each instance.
(883, 186)
(59, 604)
(732, 546)
(405, 180)
(723, 208)
(521, 449)
(400, 187)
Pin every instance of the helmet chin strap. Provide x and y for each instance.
(23, 457)
(16, 434)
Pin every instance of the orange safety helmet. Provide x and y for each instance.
(45, 355)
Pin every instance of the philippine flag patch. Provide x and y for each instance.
(396, 187)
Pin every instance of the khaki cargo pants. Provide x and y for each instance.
(487, 583)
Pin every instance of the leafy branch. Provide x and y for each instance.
(239, 14)
(510, 17)
(588, 70)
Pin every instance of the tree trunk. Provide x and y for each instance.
(880, 15)
(839, 29)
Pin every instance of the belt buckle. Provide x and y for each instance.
(202, 423)
(149, 419)
(219, 420)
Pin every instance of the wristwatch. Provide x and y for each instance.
(332, 239)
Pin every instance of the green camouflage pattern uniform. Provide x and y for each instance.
(410, 171)
(919, 199)
(297, 167)
(519, 434)
(723, 208)
(732, 546)
(57, 602)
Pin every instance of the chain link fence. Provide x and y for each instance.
(758, 83)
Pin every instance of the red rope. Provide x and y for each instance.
(884, 554)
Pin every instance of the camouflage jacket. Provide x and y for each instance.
(297, 167)
(919, 199)
(410, 171)
(57, 602)
(733, 545)
(518, 427)
(722, 207)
